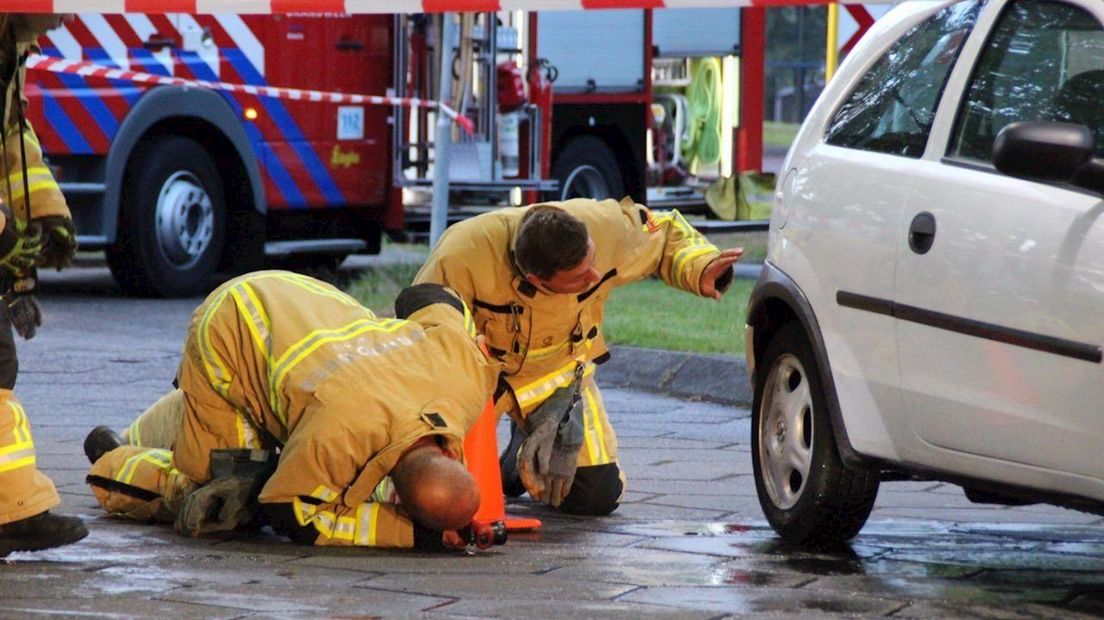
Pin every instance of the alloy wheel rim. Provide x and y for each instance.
(786, 432)
(185, 220)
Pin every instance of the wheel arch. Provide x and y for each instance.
(617, 126)
(197, 114)
(776, 301)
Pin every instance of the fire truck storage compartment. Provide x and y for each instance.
(594, 51)
(695, 104)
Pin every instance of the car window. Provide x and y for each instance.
(1044, 61)
(891, 109)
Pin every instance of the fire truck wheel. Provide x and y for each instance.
(172, 227)
(587, 168)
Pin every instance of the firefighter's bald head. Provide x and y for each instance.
(435, 489)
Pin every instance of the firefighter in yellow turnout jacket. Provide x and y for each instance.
(35, 230)
(279, 360)
(537, 279)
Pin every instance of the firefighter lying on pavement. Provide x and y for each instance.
(368, 414)
(36, 230)
(537, 279)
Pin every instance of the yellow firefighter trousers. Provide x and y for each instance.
(24, 491)
(165, 461)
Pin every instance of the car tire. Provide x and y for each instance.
(809, 496)
(172, 224)
(587, 168)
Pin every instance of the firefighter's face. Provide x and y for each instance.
(577, 279)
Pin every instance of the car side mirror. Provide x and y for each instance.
(1049, 151)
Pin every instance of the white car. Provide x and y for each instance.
(932, 303)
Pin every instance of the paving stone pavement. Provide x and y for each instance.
(689, 541)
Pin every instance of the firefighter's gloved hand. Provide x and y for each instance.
(221, 505)
(25, 315)
(542, 427)
(59, 241)
(565, 453)
(19, 251)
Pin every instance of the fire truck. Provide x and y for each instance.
(177, 182)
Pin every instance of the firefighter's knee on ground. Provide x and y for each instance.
(596, 491)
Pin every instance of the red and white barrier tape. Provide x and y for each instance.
(88, 69)
(269, 7)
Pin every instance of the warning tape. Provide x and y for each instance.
(89, 69)
(354, 7)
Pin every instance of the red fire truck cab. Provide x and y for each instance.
(176, 182)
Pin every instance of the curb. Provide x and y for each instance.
(718, 379)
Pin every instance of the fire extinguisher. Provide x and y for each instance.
(541, 76)
(511, 97)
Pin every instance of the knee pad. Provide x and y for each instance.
(596, 491)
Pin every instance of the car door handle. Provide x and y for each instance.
(922, 232)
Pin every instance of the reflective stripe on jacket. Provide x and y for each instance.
(540, 336)
(344, 392)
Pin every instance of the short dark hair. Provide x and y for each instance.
(550, 240)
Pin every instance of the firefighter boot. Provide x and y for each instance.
(42, 531)
(101, 441)
(507, 463)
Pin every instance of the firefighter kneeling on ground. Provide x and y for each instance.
(36, 230)
(537, 279)
(368, 415)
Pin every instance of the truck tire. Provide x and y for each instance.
(172, 221)
(808, 494)
(587, 168)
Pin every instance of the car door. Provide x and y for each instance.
(845, 193)
(1000, 321)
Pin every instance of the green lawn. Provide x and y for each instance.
(651, 314)
(378, 287)
(779, 134)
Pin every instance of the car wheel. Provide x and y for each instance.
(172, 223)
(809, 496)
(587, 168)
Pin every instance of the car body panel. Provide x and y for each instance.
(1010, 256)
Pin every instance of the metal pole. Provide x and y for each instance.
(438, 216)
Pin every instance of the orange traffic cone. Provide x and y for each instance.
(481, 450)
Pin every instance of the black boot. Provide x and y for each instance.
(42, 531)
(99, 442)
(507, 463)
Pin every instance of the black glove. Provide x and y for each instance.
(18, 250)
(59, 241)
(25, 315)
(221, 505)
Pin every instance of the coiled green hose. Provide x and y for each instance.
(703, 128)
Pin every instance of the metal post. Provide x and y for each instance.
(438, 216)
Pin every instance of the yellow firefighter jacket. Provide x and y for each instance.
(46, 198)
(345, 393)
(541, 336)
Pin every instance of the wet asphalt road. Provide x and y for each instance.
(689, 541)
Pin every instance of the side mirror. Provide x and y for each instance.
(1047, 151)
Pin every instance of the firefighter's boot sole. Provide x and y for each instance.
(99, 442)
(42, 531)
